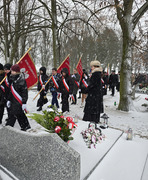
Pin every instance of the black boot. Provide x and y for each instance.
(39, 109)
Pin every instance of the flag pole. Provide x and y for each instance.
(24, 55)
(49, 79)
(79, 59)
(63, 61)
(16, 63)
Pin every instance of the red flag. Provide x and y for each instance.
(65, 64)
(28, 68)
(79, 67)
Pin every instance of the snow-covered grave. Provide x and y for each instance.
(114, 158)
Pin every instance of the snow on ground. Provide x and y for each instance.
(126, 159)
(137, 120)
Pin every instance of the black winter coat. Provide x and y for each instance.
(7, 84)
(94, 99)
(19, 83)
(113, 79)
(69, 82)
(44, 78)
(2, 90)
(75, 77)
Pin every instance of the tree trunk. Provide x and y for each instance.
(14, 51)
(54, 32)
(125, 103)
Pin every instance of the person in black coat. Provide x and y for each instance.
(105, 84)
(42, 79)
(2, 93)
(113, 81)
(83, 86)
(54, 88)
(75, 78)
(17, 99)
(93, 106)
(66, 89)
(7, 68)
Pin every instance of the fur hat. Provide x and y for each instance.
(7, 66)
(95, 63)
(15, 68)
(1, 67)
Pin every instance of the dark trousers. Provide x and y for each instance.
(54, 99)
(118, 87)
(42, 100)
(65, 103)
(22, 120)
(8, 111)
(1, 113)
(113, 90)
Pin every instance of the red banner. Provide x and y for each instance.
(28, 68)
(65, 64)
(79, 67)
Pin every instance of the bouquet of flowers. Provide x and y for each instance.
(92, 135)
(55, 122)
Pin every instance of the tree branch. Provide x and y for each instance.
(140, 12)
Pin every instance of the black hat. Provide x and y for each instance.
(7, 66)
(43, 69)
(1, 67)
(65, 70)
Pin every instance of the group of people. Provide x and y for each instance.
(67, 86)
(92, 87)
(13, 96)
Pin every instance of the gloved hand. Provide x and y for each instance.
(24, 107)
(43, 86)
(8, 104)
(73, 76)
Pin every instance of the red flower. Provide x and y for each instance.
(56, 119)
(62, 117)
(57, 129)
(69, 119)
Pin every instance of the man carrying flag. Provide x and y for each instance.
(54, 86)
(17, 99)
(23, 76)
(65, 88)
(43, 78)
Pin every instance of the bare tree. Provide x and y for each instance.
(128, 24)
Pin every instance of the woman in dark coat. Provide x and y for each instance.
(17, 99)
(42, 79)
(65, 88)
(93, 106)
